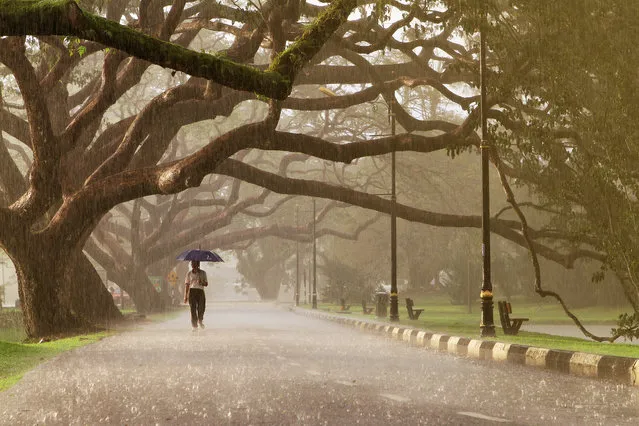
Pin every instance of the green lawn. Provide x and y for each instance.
(18, 358)
(540, 312)
(440, 312)
(442, 317)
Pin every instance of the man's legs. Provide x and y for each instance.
(201, 305)
(193, 303)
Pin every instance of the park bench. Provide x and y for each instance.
(508, 324)
(412, 313)
(366, 310)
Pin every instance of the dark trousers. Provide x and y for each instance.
(197, 300)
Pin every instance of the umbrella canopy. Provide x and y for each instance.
(200, 256)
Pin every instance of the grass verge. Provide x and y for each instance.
(541, 311)
(18, 358)
(452, 320)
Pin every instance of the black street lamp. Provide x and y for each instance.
(297, 260)
(297, 281)
(314, 296)
(394, 305)
(487, 325)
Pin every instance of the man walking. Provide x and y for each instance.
(194, 284)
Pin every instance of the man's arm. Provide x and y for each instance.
(205, 281)
(187, 285)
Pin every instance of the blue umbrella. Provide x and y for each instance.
(200, 256)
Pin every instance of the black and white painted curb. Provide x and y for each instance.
(619, 369)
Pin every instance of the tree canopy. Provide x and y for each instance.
(561, 98)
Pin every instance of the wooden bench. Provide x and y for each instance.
(412, 313)
(366, 310)
(509, 325)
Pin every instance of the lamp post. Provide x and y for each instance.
(394, 308)
(307, 289)
(487, 326)
(314, 295)
(297, 260)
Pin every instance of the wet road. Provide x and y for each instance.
(257, 364)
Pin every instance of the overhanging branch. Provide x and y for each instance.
(65, 17)
(507, 229)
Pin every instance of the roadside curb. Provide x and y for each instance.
(619, 369)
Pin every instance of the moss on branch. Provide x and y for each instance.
(291, 60)
(65, 17)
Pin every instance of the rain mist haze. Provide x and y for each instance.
(287, 136)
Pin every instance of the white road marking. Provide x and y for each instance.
(345, 382)
(483, 417)
(314, 373)
(294, 364)
(392, 397)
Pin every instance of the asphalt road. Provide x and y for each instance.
(257, 364)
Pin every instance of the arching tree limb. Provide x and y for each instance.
(65, 17)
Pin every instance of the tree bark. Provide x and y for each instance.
(40, 279)
(86, 294)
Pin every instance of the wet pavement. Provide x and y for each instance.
(259, 364)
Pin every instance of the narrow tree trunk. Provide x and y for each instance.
(416, 279)
(142, 292)
(162, 269)
(267, 290)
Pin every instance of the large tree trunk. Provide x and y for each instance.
(60, 290)
(40, 289)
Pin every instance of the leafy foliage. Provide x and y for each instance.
(628, 326)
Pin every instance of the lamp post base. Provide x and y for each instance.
(487, 331)
(487, 326)
(394, 309)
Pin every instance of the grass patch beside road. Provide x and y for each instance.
(442, 317)
(440, 312)
(438, 308)
(18, 358)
